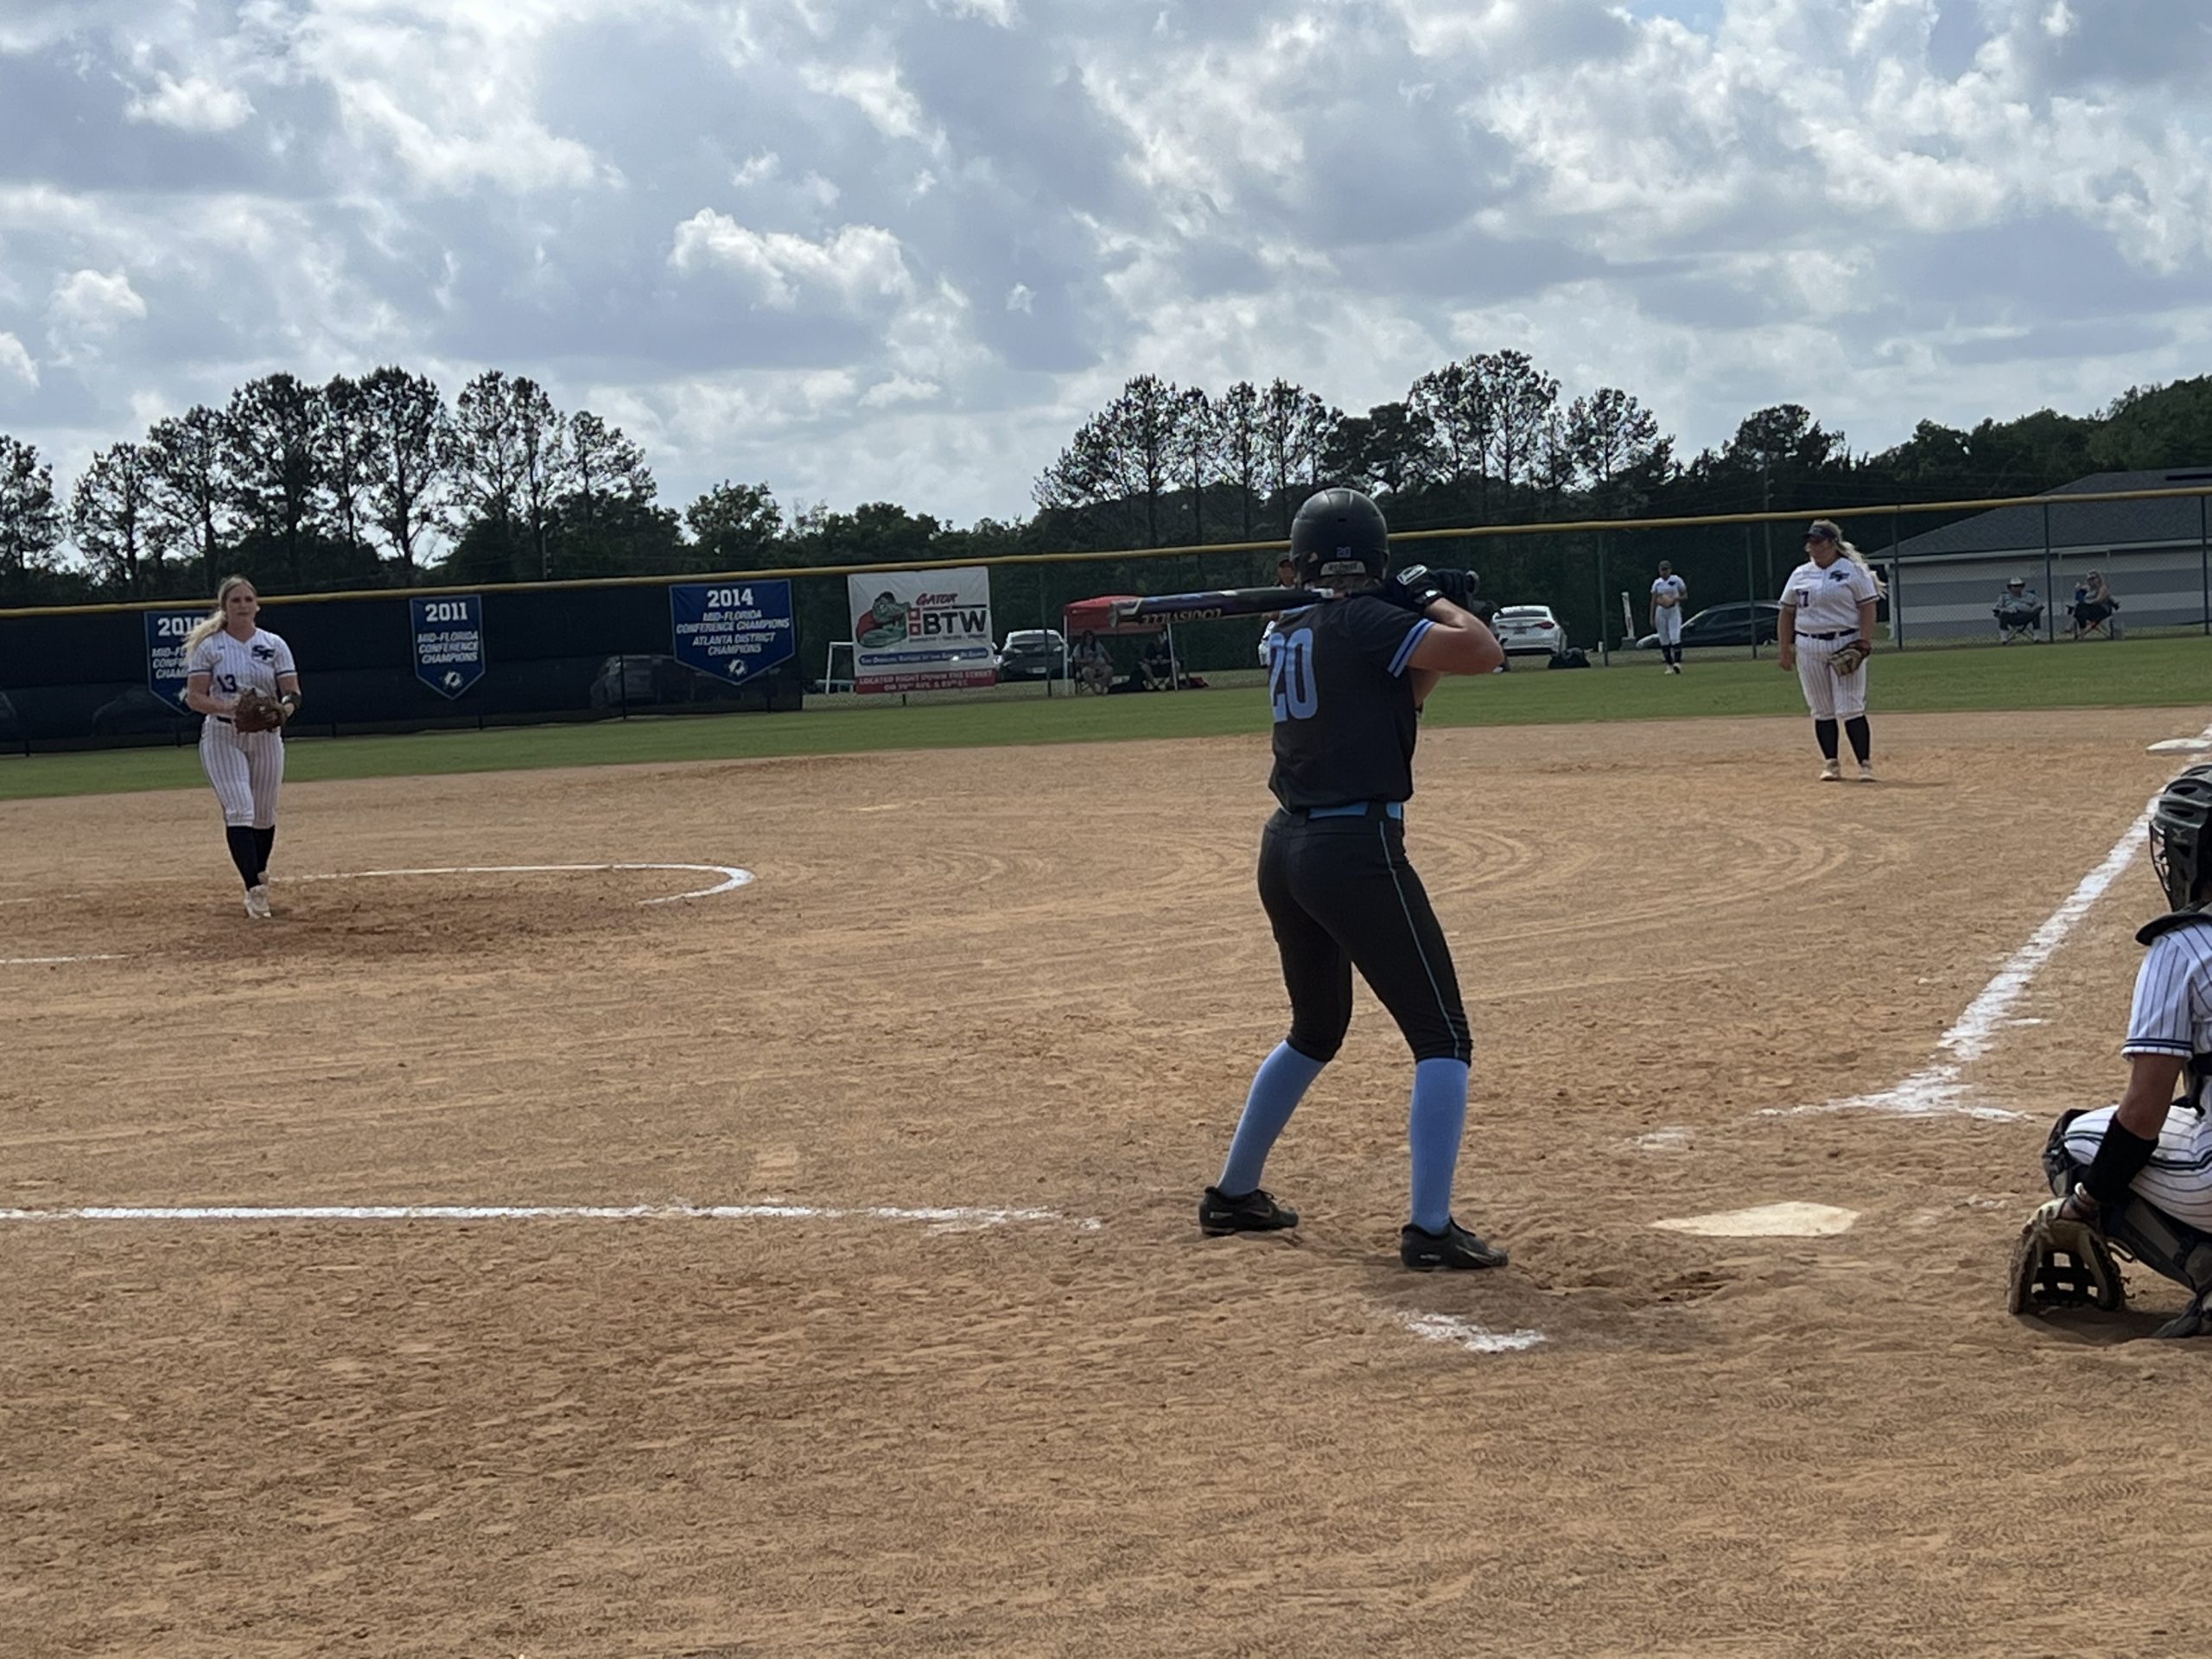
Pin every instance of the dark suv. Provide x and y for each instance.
(1727, 625)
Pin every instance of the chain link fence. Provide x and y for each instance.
(91, 676)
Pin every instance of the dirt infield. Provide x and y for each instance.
(1038, 980)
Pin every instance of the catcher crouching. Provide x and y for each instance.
(2137, 1178)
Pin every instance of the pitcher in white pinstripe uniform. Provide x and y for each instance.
(2141, 1174)
(223, 655)
(1829, 601)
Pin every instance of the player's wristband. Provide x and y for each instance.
(2121, 1156)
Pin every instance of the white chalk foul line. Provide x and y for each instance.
(950, 1217)
(733, 878)
(1464, 1333)
(44, 961)
(1935, 1091)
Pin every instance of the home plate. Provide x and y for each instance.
(2182, 745)
(1768, 1220)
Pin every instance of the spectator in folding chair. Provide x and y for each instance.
(1094, 669)
(1156, 668)
(2019, 613)
(2093, 608)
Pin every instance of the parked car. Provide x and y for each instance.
(1528, 631)
(1033, 654)
(1732, 624)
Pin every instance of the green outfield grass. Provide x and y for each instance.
(2131, 674)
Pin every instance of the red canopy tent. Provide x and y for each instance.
(1104, 615)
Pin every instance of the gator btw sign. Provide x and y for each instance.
(921, 630)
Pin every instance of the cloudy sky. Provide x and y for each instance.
(897, 248)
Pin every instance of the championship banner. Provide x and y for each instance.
(732, 630)
(921, 630)
(448, 642)
(165, 633)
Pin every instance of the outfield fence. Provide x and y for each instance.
(86, 677)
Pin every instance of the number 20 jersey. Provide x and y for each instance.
(1344, 707)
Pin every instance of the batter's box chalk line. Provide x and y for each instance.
(934, 1218)
(732, 877)
(1466, 1333)
(1935, 1090)
(48, 962)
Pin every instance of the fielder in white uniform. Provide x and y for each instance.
(1828, 602)
(224, 656)
(2140, 1174)
(1668, 593)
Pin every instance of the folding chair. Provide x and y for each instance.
(2017, 621)
(2099, 627)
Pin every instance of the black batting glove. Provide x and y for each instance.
(1461, 586)
(1411, 588)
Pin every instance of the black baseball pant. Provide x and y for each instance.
(1340, 895)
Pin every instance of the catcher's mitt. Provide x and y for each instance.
(2061, 1262)
(1846, 661)
(257, 711)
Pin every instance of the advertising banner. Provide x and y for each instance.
(922, 630)
(448, 642)
(732, 630)
(165, 633)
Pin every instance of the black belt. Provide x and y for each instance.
(1351, 810)
(1842, 633)
(225, 719)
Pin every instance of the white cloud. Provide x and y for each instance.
(92, 301)
(1004, 13)
(756, 169)
(856, 265)
(17, 362)
(448, 95)
(192, 104)
(899, 389)
(875, 90)
(890, 286)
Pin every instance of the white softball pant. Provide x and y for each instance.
(2179, 1177)
(1828, 694)
(1670, 625)
(247, 769)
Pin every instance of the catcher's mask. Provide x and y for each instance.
(2179, 840)
(1340, 534)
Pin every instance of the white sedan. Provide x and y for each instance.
(1528, 631)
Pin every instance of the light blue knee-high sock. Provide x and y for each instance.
(1277, 1087)
(1439, 1113)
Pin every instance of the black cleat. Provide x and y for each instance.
(1255, 1213)
(1455, 1246)
(2195, 1320)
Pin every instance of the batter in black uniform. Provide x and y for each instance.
(1348, 676)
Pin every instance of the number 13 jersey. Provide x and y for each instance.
(1344, 707)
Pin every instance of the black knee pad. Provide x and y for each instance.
(2058, 1165)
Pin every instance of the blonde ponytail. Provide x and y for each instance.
(1859, 559)
(210, 625)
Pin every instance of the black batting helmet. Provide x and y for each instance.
(2181, 843)
(1340, 533)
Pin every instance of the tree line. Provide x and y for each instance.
(380, 480)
